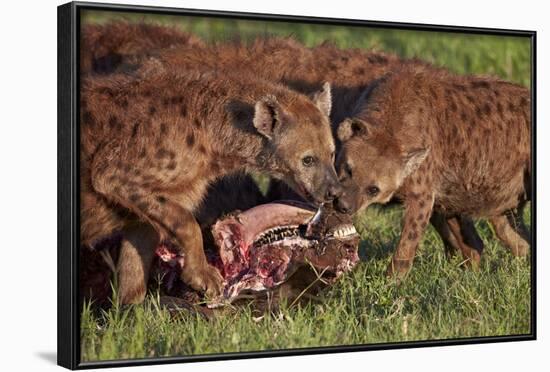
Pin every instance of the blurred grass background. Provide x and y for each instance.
(439, 300)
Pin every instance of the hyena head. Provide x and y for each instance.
(372, 164)
(299, 143)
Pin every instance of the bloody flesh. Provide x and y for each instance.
(261, 248)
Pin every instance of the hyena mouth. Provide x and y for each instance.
(263, 246)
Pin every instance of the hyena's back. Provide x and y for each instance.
(124, 46)
(491, 151)
(478, 129)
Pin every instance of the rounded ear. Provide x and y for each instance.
(266, 115)
(413, 159)
(323, 99)
(350, 128)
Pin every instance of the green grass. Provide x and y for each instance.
(439, 299)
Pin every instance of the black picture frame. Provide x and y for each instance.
(68, 320)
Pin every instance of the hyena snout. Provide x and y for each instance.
(333, 192)
(345, 203)
(333, 187)
(343, 206)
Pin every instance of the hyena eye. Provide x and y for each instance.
(372, 191)
(308, 161)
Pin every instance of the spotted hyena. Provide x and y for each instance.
(119, 46)
(150, 147)
(148, 48)
(440, 142)
(123, 46)
(351, 73)
(287, 61)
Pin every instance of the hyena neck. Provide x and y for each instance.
(236, 139)
(240, 147)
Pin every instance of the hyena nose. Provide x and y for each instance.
(333, 192)
(342, 206)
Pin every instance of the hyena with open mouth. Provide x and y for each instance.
(151, 146)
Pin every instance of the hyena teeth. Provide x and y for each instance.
(344, 231)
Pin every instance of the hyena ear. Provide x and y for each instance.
(323, 99)
(413, 159)
(266, 115)
(350, 128)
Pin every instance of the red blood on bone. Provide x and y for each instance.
(165, 254)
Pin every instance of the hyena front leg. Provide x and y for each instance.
(134, 262)
(162, 211)
(418, 210)
(197, 272)
(176, 223)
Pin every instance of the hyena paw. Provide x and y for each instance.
(399, 269)
(205, 279)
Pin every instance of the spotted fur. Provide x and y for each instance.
(152, 160)
(457, 145)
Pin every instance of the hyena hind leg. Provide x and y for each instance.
(469, 242)
(459, 234)
(134, 263)
(506, 232)
(515, 218)
(439, 222)
(98, 218)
